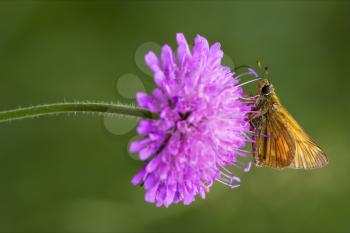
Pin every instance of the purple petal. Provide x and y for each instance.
(216, 53)
(174, 144)
(153, 164)
(146, 152)
(161, 195)
(201, 47)
(152, 61)
(143, 99)
(188, 199)
(159, 78)
(170, 195)
(201, 192)
(159, 95)
(138, 177)
(150, 182)
(168, 59)
(151, 194)
(144, 127)
(183, 51)
(138, 145)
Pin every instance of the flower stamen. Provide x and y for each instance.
(246, 167)
(232, 181)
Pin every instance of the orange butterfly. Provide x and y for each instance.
(280, 142)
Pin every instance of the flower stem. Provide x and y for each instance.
(75, 107)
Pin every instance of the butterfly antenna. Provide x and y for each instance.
(267, 75)
(265, 69)
(258, 64)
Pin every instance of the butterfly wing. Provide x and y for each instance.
(274, 146)
(308, 155)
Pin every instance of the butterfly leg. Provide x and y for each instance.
(256, 126)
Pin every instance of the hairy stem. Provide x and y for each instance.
(61, 108)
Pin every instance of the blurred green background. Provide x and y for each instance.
(72, 174)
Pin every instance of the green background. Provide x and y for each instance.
(70, 174)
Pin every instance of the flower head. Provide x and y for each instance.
(201, 125)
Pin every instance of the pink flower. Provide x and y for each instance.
(201, 126)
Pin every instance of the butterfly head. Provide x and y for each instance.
(265, 88)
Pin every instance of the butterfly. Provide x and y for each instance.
(280, 142)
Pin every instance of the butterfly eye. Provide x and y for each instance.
(266, 90)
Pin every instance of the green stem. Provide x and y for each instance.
(60, 108)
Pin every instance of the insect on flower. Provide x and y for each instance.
(280, 140)
(202, 125)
